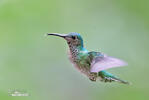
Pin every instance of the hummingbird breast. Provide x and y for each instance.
(79, 59)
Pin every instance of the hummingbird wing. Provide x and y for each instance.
(101, 62)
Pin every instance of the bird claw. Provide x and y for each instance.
(93, 76)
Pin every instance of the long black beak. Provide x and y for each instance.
(57, 34)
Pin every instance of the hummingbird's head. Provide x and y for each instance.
(72, 38)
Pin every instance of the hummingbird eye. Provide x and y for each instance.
(73, 37)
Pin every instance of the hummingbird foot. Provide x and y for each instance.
(93, 76)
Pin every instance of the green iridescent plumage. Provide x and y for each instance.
(92, 64)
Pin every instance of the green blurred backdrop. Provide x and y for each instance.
(39, 65)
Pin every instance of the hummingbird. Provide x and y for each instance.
(92, 64)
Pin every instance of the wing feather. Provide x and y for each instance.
(104, 62)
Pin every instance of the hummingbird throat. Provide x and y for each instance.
(74, 50)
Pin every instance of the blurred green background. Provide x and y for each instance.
(39, 65)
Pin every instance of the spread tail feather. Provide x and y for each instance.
(108, 77)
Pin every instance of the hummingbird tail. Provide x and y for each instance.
(108, 77)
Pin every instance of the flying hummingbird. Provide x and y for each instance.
(92, 64)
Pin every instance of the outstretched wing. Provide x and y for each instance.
(102, 62)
